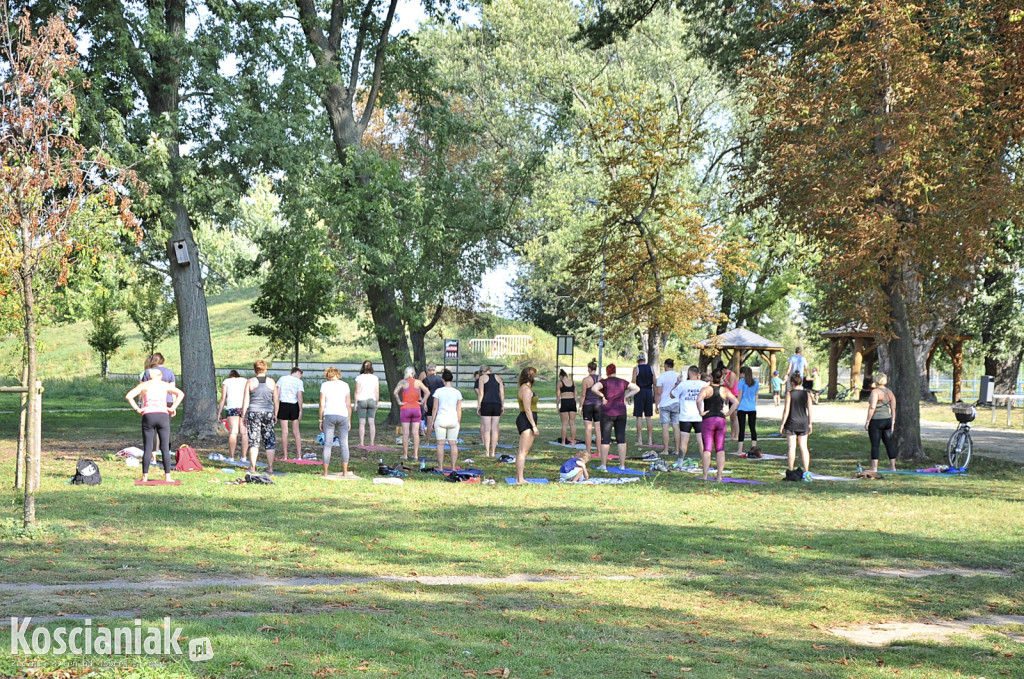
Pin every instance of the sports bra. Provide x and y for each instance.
(714, 403)
(566, 390)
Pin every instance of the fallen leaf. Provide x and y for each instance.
(267, 628)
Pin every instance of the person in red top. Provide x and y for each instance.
(613, 392)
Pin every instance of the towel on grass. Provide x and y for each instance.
(627, 472)
(511, 481)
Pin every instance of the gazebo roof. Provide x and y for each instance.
(740, 338)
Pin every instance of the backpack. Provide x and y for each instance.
(186, 460)
(258, 478)
(87, 473)
(794, 474)
(460, 476)
(506, 458)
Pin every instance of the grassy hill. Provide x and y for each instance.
(64, 352)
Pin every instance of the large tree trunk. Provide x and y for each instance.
(922, 349)
(197, 370)
(32, 452)
(904, 378)
(726, 311)
(394, 349)
(418, 340)
(1005, 370)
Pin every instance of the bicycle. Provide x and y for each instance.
(958, 450)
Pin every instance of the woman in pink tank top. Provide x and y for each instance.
(156, 418)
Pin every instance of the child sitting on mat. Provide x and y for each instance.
(574, 470)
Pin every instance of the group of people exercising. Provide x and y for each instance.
(685, 403)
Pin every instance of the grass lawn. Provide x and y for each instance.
(666, 577)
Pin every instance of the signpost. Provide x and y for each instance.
(564, 346)
(451, 350)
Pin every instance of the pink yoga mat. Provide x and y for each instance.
(156, 482)
(295, 461)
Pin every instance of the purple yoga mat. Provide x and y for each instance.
(729, 479)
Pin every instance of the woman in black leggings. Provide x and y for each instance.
(156, 418)
(881, 421)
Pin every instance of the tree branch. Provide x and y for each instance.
(357, 52)
(337, 21)
(309, 21)
(378, 66)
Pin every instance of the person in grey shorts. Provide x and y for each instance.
(667, 406)
(367, 397)
(335, 415)
(259, 408)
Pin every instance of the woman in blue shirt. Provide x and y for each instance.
(747, 409)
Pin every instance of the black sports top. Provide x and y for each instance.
(714, 404)
(564, 389)
(492, 394)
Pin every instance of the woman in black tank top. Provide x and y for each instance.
(796, 423)
(567, 407)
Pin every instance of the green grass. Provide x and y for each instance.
(731, 581)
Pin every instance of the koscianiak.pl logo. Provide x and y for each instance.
(88, 639)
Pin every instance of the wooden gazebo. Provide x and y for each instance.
(736, 346)
(864, 343)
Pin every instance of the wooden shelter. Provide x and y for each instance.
(736, 346)
(864, 344)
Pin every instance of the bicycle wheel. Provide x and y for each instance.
(958, 452)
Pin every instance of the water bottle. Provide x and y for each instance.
(423, 464)
(859, 468)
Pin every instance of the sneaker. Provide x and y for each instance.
(602, 468)
(807, 477)
(651, 456)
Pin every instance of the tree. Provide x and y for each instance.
(151, 311)
(106, 336)
(884, 142)
(651, 245)
(54, 189)
(157, 87)
(299, 290)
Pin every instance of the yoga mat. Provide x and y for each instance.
(156, 482)
(824, 477)
(338, 476)
(764, 456)
(601, 482)
(578, 446)
(510, 480)
(378, 449)
(729, 479)
(656, 446)
(243, 463)
(296, 461)
(469, 431)
(916, 473)
(627, 472)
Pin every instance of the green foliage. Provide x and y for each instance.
(299, 290)
(150, 308)
(106, 336)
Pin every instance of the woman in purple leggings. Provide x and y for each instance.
(711, 404)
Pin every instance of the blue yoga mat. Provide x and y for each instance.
(626, 472)
(510, 480)
(473, 472)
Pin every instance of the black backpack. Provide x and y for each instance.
(258, 478)
(794, 474)
(86, 472)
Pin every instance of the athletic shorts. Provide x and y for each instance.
(411, 415)
(366, 408)
(789, 432)
(570, 476)
(592, 412)
(260, 428)
(643, 403)
(616, 422)
(431, 406)
(687, 427)
(669, 414)
(288, 411)
(523, 423)
(490, 410)
(233, 412)
(447, 433)
(567, 405)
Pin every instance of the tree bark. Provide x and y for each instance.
(19, 464)
(418, 339)
(654, 348)
(197, 369)
(394, 349)
(904, 375)
(1005, 370)
(726, 311)
(32, 452)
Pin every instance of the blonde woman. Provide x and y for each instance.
(412, 394)
(335, 417)
(490, 397)
(881, 421)
(232, 394)
(156, 417)
(367, 398)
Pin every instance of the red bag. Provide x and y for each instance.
(187, 460)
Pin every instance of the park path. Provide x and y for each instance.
(999, 443)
